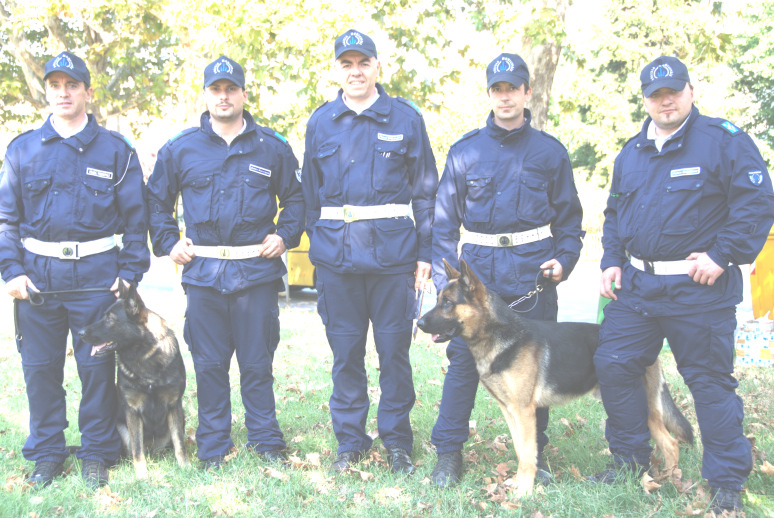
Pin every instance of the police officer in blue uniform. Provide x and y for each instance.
(511, 187)
(66, 190)
(690, 200)
(230, 172)
(369, 181)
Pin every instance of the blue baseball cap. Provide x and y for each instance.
(224, 68)
(664, 72)
(354, 40)
(509, 68)
(71, 65)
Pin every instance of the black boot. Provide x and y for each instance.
(448, 471)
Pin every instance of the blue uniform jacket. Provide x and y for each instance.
(229, 198)
(499, 181)
(80, 188)
(708, 190)
(381, 156)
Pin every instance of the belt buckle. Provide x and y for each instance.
(68, 250)
(224, 252)
(349, 214)
(649, 268)
(504, 239)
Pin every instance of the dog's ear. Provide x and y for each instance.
(468, 280)
(133, 304)
(451, 273)
(123, 291)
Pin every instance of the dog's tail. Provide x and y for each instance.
(673, 418)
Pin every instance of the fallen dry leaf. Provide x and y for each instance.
(275, 473)
(313, 459)
(766, 468)
(648, 484)
(359, 497)
(575, 472)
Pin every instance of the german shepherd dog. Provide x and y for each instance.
(526, 364)
(151, 377)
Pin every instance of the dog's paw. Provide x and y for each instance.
(141, 471)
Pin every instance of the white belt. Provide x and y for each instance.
(350, 213)
(69, 249)
(228, 252)
(662, 267)
(503, 240)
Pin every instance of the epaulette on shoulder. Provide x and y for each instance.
(123, 138)
(728, 126)
(21, 135)
(467, 136)
(410, 103)
(551, 137)
(183, 133)
(274, 134)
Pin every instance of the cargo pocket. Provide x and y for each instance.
(479, 199)
(328, 163)
(533, 205)
(327, 243)
(255, 198)
(322, 310)
(389, 167)
(97, 208)
(35, 192)
(680, 206)
(395, 240)
(197, 198)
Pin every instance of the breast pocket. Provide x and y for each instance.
(255, 203)
(533, 206)
(389, 166)
(35, 192)
(327, 158)
(680, 206)
(479, 199)
(631, 208)
(197, 199)
(98, 208)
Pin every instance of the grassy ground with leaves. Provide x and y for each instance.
(247, 487)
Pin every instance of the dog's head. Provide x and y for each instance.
(458, 305)
(121, 325)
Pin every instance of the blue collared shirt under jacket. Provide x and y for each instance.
(499, 181)
(707, 190)
(81, 188)
(381, 156)
(229, 197)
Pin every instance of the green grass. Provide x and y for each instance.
(247, 487)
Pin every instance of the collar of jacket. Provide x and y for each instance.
(642, 138)
(379, 111)
(496, 132)
(206, 126)
(83, 138)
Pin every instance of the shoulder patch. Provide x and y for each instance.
(410, 103)
(182, 133)
(467, 136)
(730, 127)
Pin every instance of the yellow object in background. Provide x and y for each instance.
(300, 269)
(762, 280)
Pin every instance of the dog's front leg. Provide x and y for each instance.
(134, 424)
(522, 423)
(176, 423)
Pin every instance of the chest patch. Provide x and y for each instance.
(107, 175)
(685, 171)
(389, 138)
(260, 170)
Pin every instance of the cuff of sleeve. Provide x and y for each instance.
(718, 259)
(130, 276)
(12, 272)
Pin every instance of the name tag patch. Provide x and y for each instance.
(686, 171)
(260, 170)
(108, 175)
(389, 138)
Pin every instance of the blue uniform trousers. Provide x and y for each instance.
(43, 349)
(703, 347)
(461, 382)
(216, 325)
(346, 303)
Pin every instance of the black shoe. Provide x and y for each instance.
(448, 471)
(277, 457)
(212, 463)
(618, 472)
(345, 460)
(44, 472)
(94, 473)
(399, 460)
(543, 475)
(725, 500)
